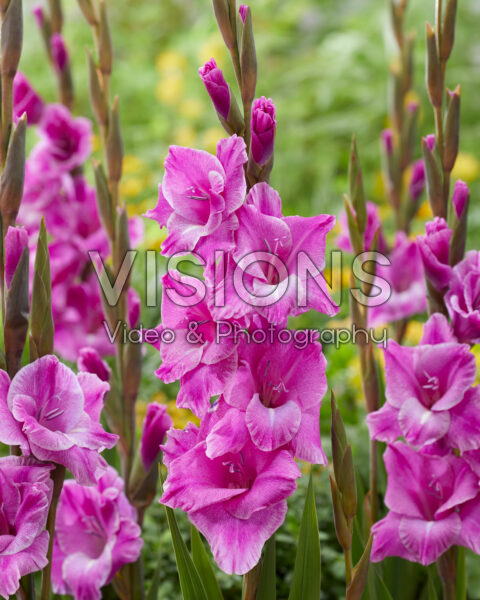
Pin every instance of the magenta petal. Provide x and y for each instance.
(386, 539)
(271, 428)
(94, 391)
(237, 543)
(383, 424)
(231, 152)
(87, 575)
(437, 330)
(470, 533)
(10, 429)
(464, 431)
(266, 199)
(230, 434)
(427, 540)
(162, 211)
(306, 444)
(25, 562)
(422, 426)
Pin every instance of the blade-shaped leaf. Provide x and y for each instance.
(306, 575)
(267, 584)
(360, 574)
(190, 582)
(204, 566)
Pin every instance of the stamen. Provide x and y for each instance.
(56, 412)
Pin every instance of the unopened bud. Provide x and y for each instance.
(452, 130)
(242, 11)
(97, 97)
(104, 200)
(448, 31)
(357, 191)
(114, 144)
(458, 222)
(13, 176)
(105, 50)
(339, 437)
(56, 16)
(342, 529)
(223, 19)
(16, 314)
(434, 180)
(59, 52)
(248, 60)
(12, 37)
(347, 484)
(434, 76)
(88, 11)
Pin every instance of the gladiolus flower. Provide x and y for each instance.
(90, 361)
(460, 196)
(434, 248)
(26, 100)
(25, 496)
(217, 87)
(463, 299)
(263, 130)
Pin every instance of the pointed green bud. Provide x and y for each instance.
(248, 60)
(339, 437)
(104, 200)
(433, 180)
(114, 144)
(97, 98)
(397, 12)
(360, 574)
(355, 236)
(342, 529)
(452, 130)
(56, 15)
(88, 11)
(132, 372)
(448, 31)
(105, 50)
(122, 245)
(222, 14)
(11, 38)
(16, 315)
(458, 221)
(13, 176)
(357, 191)
(408, 65)
(347, 484)
(41, 326)
(434, 75)
(409, 134)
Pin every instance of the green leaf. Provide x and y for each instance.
(267, 584)
(204, 566)
(190, 582)
(41, 326)
(306, 575)
(360, 574)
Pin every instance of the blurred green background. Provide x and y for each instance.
(325, 63)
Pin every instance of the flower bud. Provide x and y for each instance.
(38, 15)
(434, 248)
(357, 191)
(347, 484)
(16, 241)
(430, 141)
(417, 180)
(452, 130)
(97, 97)
(223, 19)
(26, 100)
(387, 141)
(248, 60)
(342, 528)
(88, 11)
(114, 144)
(105, 50)
(13, 176)
(217, 87)
(461, 194)
(11, 38)
(134, 305)
(434, 179)
(242, 10)
(448, 30)
(59, 52)
(434, 76)
(56, 16)
(104, 200)
(157, 423)
(16, 312)
(90, 361)
(263, 126)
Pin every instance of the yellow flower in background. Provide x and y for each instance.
(96, 143)
(131, 187)
(184, 135)
(467, 168)
(170, 89)
(180, 416)
(215, 48)
(476, 352)
(210, 138)
(135, 209)
(191, 108)
(132, 164)
(379, 186)
(425, 210)
(414, 333)
(171, 60)
(154, 235)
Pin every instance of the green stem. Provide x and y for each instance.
(447, 569)
(374, 480)
(251, 581)
(348, 566)
(58, 477)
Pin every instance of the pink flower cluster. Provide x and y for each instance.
(56, 189)
(433, 477)
(53, 416)
(259, 403)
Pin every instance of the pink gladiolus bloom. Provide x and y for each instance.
(59, 51)
(66, 141)
(434, 249)
(274, 281)
(26, 100)
(199, 192)
(16, 241)
(54, 415)
(156, 424)
(25, 495)
(279, 389)
(428, 392)
(195, 357)
(406, 278)
(217, 87)
(263, 130)
(90, 361)
(461, 194)
(96, 533)
(433, 502)
(374, 225)
(237, 500)
(463, 298)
